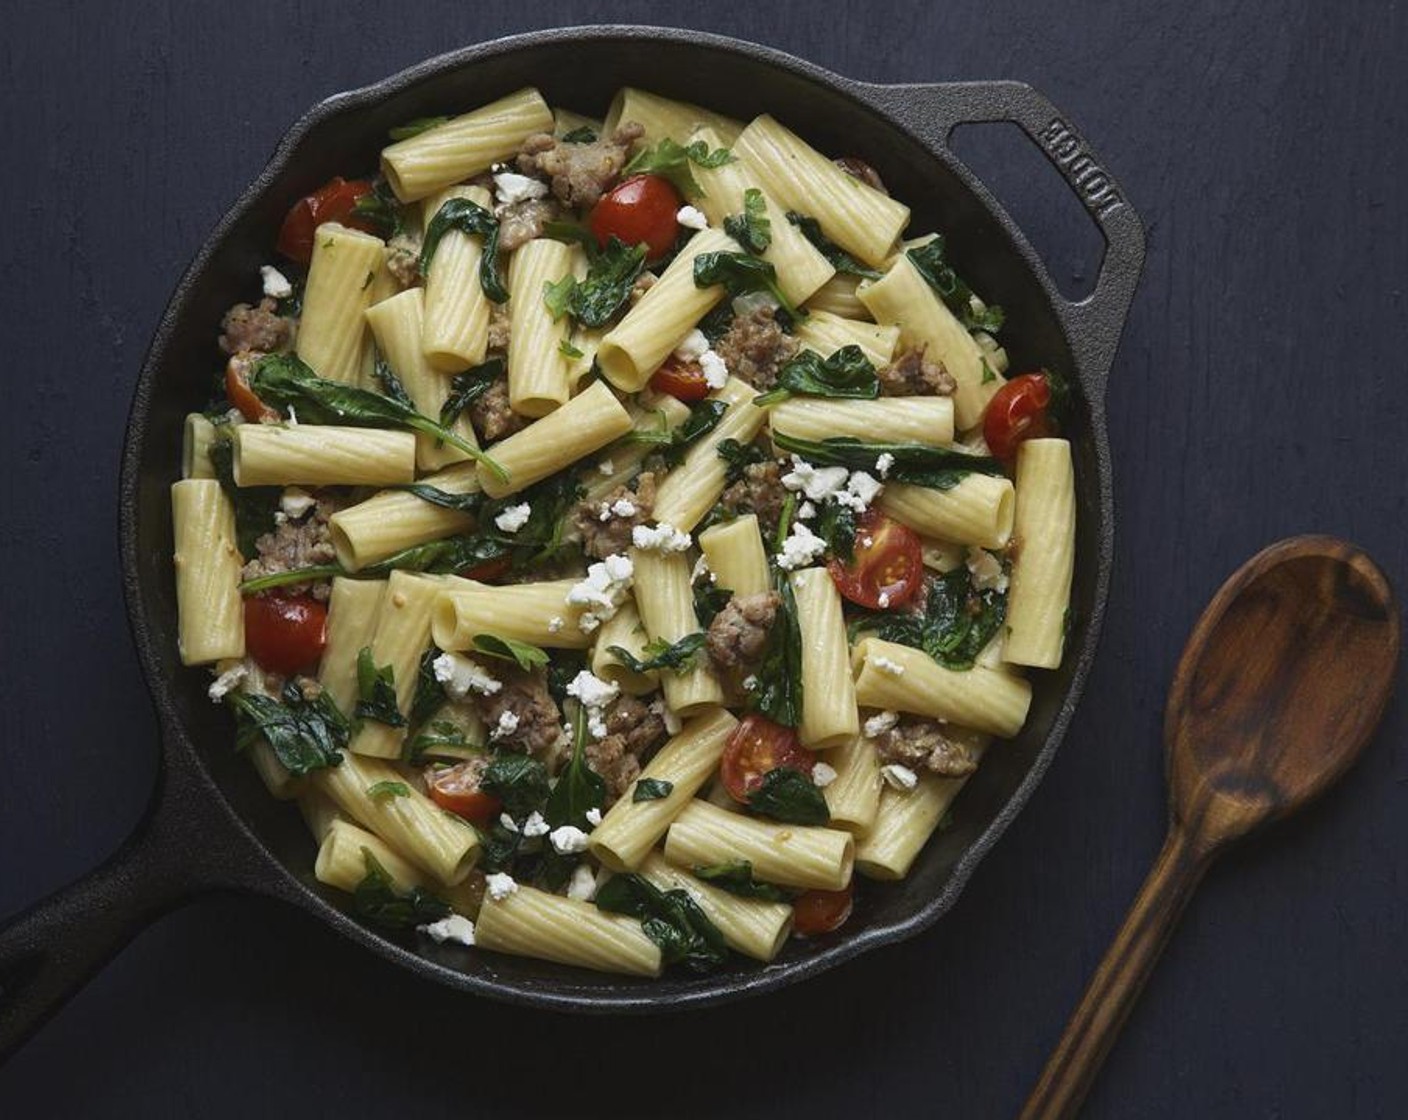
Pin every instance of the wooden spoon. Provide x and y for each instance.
(1281, 685)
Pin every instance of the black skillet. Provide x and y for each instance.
(212, 826)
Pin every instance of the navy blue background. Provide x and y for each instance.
(1259, 392)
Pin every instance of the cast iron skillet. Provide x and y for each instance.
(212, 826)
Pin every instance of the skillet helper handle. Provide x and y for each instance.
(1116, 985)
(935, 110)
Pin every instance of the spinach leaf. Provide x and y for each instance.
(957, 623)
(789, 795)
(836, 525)
(381, 208)
(376, 691)
(467, 217)
(736, 877)
(671, 919)
(391, 384)
(716, 324)
(415, 127)
(779, 692)
(579, 788)
(672, 160)
(305, 735)
(565, 665)
(652, 789)
(432, 739)
(836, 256)
(751, 229)
(378, 901)
(931, 260)
(582, 134)
(739, 457)
(378, 790)
(520, 782)
(678, 656)
(846, 373)
(741, 275)
(672, 443)
(292, 576)
(611, 273)
(527, 656)
(709, 600)
(939, 468)
(254, 505)
(452, 554)
(283, 380)
(468, 387)
(464, 503)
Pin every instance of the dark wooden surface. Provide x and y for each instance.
(1260, 392)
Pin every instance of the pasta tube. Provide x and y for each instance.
(853, 796)
(689, 491)
(663, 117)
(392, 520)
(209, 611)
(527, 612)
(826, 333)
(978, 510)
(456, 332)
(1045, 561)
(788, 854)
(353, 609)
(623, 629)
(198, 435)
(889, 675)
(665, 599)
(330, 331)
(750, 926)
(829, 714)
(735, 554)
(321, 455)
(538, 375)
(342, 863)
(533, 923)
(927, 420)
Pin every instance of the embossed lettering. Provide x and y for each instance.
(1087, 176)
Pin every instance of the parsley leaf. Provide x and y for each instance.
(391, 384)
(611, 273)
(527, 656)
(751, 229)
(836, 525)
(430, 693)
(468, 217)
(378, 790)
(381, 208)
(736, 877)
(678, 656)
(518, 781)
(652, 789)
(837, 257)
(789, 795)
(672, 919)
(672, 160)
(582, 134)
(305, 734)
(376, 691)
(434, 738)
(739, 457)
(709, 600)
(846, 373)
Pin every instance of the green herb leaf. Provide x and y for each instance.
(837, 257)
(255, 506)
(430, 693)
(381, 208)
(415, 127)
(717, 323)
(468, 217)
(527, 656)
(939, 468)
(672, 160)
(567, 350)
(463, 503)
(789, 795)
(659, 654)
(931, 260)
(709, 600)
(836, 525)
(391, 384)
(378, 901)
(468, 387)
(736, 877)
(957, 623)
(378, 790)
(305, 735)
(611, 273)
(582, 134)
(434, 738)
(652, 789)
(673, 442)
(739, 457)
(989, 374)
(989, 319)
(751, 229)
(376, 691)
(579, 788)
(741, 275)
(452, 554)
(779, 692)
(847, 373)
(292, 576)
(520, 782)
(284, 380)
(672, 919)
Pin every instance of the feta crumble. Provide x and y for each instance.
(883, 464)
(623, 507)
(663, 537)
(714, 368)
(899, 777)
(806, 511)
(887, 665)
(568, 839)
(456, 928)
(555, 624)
(295, 502)
(276, 284)
(514, 517)
(694, 345)
(816, 483)
(861, 490)
(985, 570)
(460, 676)
(535, 825)
(606, 467)
(801, 548)
(593, 817)
(582, 885)
(511, 187)
(602, 591)
(691, 217)
(500, 886)
(883, 599)
(508, 822)
(221, 686)
(823, 775)
(880, 723)
(663, 710)
(507, 725)
(591, 690)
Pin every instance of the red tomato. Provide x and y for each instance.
(818, 912)
(756, 746)
(332, 202)
(640, 209)
(241, 395)
(456, 788)
(887, 565)
(1016, 412)
(682, 380)
(489, 570)
(285, 634)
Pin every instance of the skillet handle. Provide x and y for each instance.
(178, 850)
(933, 111)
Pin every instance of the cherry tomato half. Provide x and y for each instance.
(241, 395)
(682, 380)
(642, 208)
(456, 788)
(1016, 412)
(285, 633)
(332, 202)
(887, 565)
(756, 746)
(818, 912)
(489, 570)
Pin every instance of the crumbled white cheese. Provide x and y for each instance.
(801, 548)
(985, 570)
(292, 420)
(508, 822)
(555, 624)
(602, 591)
(593, 817)
(823, 775)
(295, 502)
(221, 685)
(461, 676)
(663, 537)
(883, 464)
(514, 517)
(691, 218)
(815, 482)
(455, 928)
(606, 467)
(880, 723)
(694, 344)
(861, 490)
(511, 187)
(714, 368)
(700, 569)
(535, 825)
(568, 839)
(886, 665)
(806, 511)
(507, 725)
(623, 507)
(750, 683)
(500, 886)
(276, 284)
(582, 885)
(663, 710)
(753, 301)
(899, 777)
(591, 690)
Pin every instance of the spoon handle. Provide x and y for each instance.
(1118, 981)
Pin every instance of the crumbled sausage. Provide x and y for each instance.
(606, 523)
(755, 347)
(403, 259)
(498, 328)
(913, 375)
(921, 744)
(739, 633)
(536, 721)
(297, 543)
(523, 221)
(491, 414)
(633, 729)
(859, 169)
(579, 173)
(260, 329)
(759, 492)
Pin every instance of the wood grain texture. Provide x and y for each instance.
(1258, 393)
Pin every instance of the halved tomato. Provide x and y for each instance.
(682, 380)
(639, 209)
(1018, 411)
(241, 395)
(334, 201)
(818, 912)
(887, 564)
(285, 633)
(756, 746)
(456, 788)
